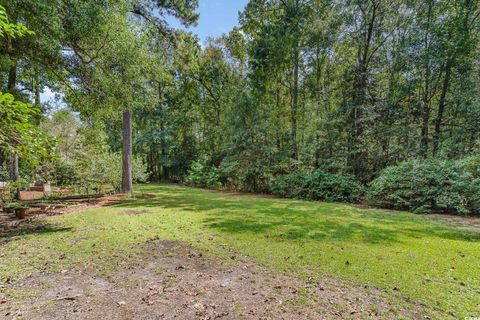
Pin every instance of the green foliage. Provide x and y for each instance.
(248, 171)
(11, 189)
(203, 175)
(429, 185)
(318, 185)
(19, 133)
(4, 174)
(62, 173)
(104, 170)
(15, 117)
(289, 185)
(84, 161)
(13, 30)
(351, 87)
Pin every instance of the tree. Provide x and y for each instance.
(18, 133)
(122, 66)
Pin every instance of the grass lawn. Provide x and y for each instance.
(410, 257)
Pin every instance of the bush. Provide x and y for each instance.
(106, 169)
(318, 185)
(289, 185)
(248, 171)
(64, 173)
(95, 171)
(425, 186)
(202, 175)
(322, 185)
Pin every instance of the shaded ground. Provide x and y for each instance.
(9, 222)
(175, 281)
(467, 223)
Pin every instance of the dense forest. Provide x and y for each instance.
(336, 100)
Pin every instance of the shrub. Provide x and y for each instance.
(322, 185)
(106, 169)
(290, 185)
(428, 185)
(95, 171)
(202, 175)
(64, 173)
(247, 171)
(318, 185)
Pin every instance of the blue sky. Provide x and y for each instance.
(216, 17)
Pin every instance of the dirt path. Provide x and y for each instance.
(178, 282)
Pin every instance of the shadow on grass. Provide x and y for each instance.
(32, 228)
(326, 230)
(284, 219)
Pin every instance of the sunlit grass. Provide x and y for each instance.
(410, 257)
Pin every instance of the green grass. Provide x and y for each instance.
(410, 257)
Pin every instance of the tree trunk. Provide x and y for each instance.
(318, 96)
(12, 78)
(11, 85)
(127, 179)
(2, 158)
(441, 108)
(14, 172)
(426, 96)
(278, 132)
(36, 90)
(357, 153)
(294, 109)
(425, 130)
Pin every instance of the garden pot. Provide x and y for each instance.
(21, 213)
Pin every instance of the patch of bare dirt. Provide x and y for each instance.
(177, 282)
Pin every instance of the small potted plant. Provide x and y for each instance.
(21, 211)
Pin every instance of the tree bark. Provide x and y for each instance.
(425, 130)
(318, 95)
(441, 108)
(12, 78)
(36, 90)
(2, 157)
(11, 86)
(127, 179)
(294, 109)
(14, 172)
(426, 96)
(356, 153)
